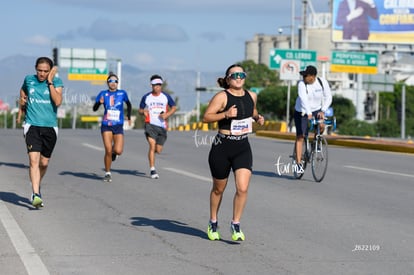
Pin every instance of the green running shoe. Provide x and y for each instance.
(37, 201)
(236, 233)
(212, 231)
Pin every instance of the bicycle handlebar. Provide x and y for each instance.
(329, 122)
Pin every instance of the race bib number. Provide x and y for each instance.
(241, 126)
(114, 115)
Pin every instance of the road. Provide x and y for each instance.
(358, 220)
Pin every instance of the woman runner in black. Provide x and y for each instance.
(234, 109)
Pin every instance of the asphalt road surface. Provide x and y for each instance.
(358, 220)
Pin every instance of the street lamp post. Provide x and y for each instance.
(207, 90)
(403, 112)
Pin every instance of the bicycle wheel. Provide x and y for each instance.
(295, 168)
(319, 158)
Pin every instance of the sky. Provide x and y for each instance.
(149, 34)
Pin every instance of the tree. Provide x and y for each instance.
(203, 108)
(344, 110)
(387, 128)
(259, 75)
(389, 116)
(271, 102)
(167, 90)
(356, 127)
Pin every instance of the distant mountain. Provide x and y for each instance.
(135, 81)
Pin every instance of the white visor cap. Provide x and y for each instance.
(156, 81)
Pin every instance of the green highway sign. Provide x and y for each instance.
(354, 62)
(256, 89)
(304, 56)
(88, 71)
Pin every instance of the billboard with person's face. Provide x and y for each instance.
(373, 21)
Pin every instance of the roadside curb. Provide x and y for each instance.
(349, 141)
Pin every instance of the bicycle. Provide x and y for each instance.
(314, 152)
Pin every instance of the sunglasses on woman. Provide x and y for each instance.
(241, 75)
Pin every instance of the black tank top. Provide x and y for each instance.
(244, 104)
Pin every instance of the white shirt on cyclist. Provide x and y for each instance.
(313, 97)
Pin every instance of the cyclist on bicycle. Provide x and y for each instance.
(314, 98)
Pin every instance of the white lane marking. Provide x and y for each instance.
(93, 146)
(188, 174)
(379, 171)
(24, 249)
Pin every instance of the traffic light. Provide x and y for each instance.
(55, 56)
(369, 106)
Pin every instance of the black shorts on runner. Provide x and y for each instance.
(41, 139)
(115, 129)
(156, 132)
(229, 152)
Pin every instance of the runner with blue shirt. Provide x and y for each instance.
(112, 127)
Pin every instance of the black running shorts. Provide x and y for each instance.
(229, 152)
(41, 139)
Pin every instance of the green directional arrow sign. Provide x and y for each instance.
(304, 56)
(354, 62)
(88, 71)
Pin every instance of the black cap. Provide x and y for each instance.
(310, 70)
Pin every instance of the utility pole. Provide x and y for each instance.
(403, 111)
(304, 31)
(198, 95)
(292, 27)
(119, 71)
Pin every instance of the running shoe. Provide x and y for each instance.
(299, 168)
(236, 233)
(114, 156)
(108, 177)
(37, 200)
(154, 174)
(212, 231)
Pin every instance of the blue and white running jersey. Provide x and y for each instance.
(114, 106)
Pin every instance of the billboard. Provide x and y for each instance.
(373, 21)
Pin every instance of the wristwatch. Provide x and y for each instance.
(49, 83)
